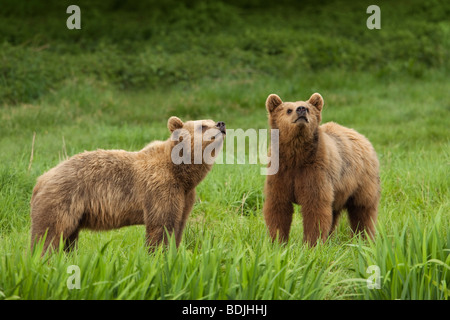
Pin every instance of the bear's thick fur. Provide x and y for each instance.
(108, 189)
(324, 168)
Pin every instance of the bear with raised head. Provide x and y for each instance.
(323, 168)
(109, 189)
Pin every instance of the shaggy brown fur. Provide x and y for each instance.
(108, 189)
(325, 169)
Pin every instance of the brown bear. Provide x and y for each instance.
(108, 189)
(323, 168)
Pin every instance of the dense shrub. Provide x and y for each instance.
(135, 45)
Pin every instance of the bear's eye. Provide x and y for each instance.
(289, 111)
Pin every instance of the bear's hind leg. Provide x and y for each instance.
(52, 237)
(336, 215)
(71, 241)
(362, 217)
(54, 225)
(41, 231)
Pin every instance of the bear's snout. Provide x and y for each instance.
(301, 110)
(221, 126)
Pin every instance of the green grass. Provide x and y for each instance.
(104, 89)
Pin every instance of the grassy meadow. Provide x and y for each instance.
(114, 83)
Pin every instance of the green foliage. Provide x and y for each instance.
(414, 264)
(14, 190)
(207, 271)
(114, 84)
(159, 44)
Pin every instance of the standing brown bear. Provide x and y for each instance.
(108, 189)
(324, 168)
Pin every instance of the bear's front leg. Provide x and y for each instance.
(278, 216)
(315, 195)
(188, 204)
(162, 217)
(317, 222)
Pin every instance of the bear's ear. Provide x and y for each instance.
(317, 101)
(272, 102)
(174, 123)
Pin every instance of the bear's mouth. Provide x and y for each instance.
(222, 132)
(301, 118)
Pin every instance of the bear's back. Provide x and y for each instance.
(352, 163)
(341, 134)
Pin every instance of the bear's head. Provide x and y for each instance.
(197, 141)
(295, 119)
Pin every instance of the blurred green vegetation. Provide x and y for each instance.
(114, 83)
(158, 44)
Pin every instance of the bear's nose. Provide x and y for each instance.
(221, 126)
(301, 109)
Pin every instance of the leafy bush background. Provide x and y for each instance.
(144, 45)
